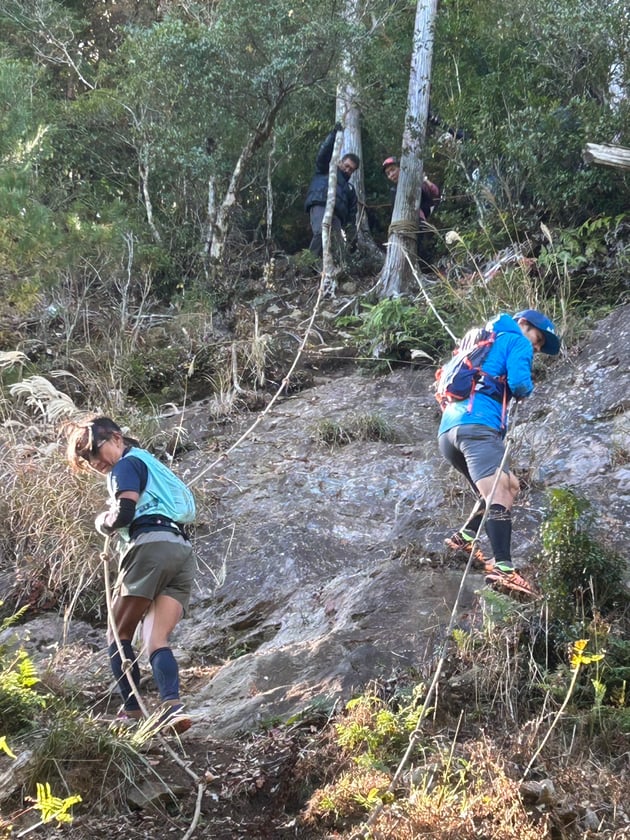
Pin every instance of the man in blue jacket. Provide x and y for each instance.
(345, 211)
(472, 431)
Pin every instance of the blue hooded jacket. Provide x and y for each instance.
(511, 355)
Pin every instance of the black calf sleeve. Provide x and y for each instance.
(499, 531)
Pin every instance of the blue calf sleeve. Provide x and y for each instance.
(129, 701)
(165, 673)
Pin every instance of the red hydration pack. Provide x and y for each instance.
(463, 375)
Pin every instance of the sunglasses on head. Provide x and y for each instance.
(93, 450)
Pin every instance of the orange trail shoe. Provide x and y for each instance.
(505, 579)
(174, 720)
(462, 543)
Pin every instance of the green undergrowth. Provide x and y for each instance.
(21, 699)
(535, 690)
(52, 741)
(580, 573)
(391, 329)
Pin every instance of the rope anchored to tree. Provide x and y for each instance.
(127, 666)
(363, 833)
(404, 228)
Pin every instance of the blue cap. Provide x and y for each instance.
(552, 342)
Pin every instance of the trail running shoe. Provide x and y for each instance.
(461, 542)
(174, 719)
(120, 721)
(504, 579)
(128, 719)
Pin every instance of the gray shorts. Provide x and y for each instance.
(475, 451)
(155, 564)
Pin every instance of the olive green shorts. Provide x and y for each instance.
(155, 564)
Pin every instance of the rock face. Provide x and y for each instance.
(322, 568)
(317, 596)
(331, 557)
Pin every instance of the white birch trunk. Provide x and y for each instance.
(328, 266)
(348, 113)
(143, 171)
(404, 224)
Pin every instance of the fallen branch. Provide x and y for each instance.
(606, 154)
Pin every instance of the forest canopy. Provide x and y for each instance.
(142, 142)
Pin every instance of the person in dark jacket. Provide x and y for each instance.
(345, 211)
(471, 436)
(429, 199)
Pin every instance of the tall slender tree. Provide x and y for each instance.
(404, 225)
(349, 114)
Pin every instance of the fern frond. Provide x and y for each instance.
(12, 619)
(27, 671)
(4, 746)
(53, 807)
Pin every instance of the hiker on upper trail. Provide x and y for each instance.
(148, 507)
(472, 431)
(345, 211)
(429, 199)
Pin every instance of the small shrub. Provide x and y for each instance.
(391, 329)
(19, 701)
(580, 574)
(348, 799)
(374, 731)
(363, 427)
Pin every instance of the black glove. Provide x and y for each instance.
(338, 127)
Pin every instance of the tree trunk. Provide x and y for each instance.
(143, 172)
(269, 197)
(222, 222)
(348, 113)
(607, 155)
(404, 225)
(212, 217)
(328, 266)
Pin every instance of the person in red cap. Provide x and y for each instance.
(429, 199)
(472, 431)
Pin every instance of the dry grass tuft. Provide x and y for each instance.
(480, 800)
(48, 544)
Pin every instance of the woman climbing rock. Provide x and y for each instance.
(148, 507)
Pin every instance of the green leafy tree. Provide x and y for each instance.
(196, 119)
(29, 237)
(529, 82)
